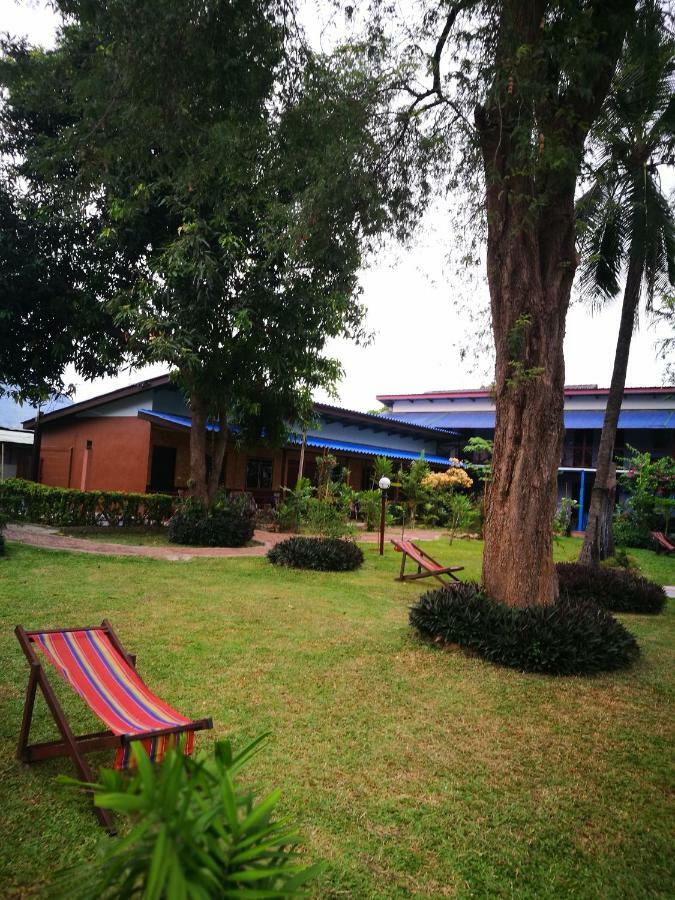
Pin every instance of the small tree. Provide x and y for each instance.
(627, 225)
(383, 467)
(413, 488)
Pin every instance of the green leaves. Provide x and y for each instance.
(196, 835)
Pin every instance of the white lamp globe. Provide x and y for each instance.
(384, 483)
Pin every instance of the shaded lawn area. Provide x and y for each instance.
(412, 771)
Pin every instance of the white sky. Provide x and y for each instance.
(418, 308)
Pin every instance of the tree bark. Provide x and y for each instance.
(530, 273)
(205, 484)
(598, 540)
(198, 480)
(531, 260)
(219, 446)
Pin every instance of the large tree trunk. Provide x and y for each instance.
(530, 273)
(531, 260)
(598, 540)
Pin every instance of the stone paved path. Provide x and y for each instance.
(50, 539)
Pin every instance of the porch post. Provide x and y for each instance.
(580, 517)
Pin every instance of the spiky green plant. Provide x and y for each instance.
(195, 834)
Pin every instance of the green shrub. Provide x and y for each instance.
(615, 589)
(566, 638)
(293, 510)
(630, 531)
(370, 503)
(3, 522)
(196, 832)
(562, 521)
(33, 502)
(229, 522)
(328, 518)
(322, 554)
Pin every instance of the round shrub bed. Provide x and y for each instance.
(322, 554)
(618, 590)
(566, 638)
(230, 522)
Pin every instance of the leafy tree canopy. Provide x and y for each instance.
(232, 175)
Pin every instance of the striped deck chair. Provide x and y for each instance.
(93, 662)
(426, 566)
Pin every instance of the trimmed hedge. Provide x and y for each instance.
(321, 554)
(566, 638)
(33, 502)
(618, 590)
(230, 522)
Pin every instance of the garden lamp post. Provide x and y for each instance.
(384, 484)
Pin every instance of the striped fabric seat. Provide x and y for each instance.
(415, 554)
(427, 567)
(88, 662)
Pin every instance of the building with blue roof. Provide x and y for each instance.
(646, 423)
(137, 439)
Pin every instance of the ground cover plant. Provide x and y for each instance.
(324, 554)
(573, 636)
(616, 589)
(409, 771)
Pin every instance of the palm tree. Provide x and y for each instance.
(627, 225)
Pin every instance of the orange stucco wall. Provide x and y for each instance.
(117, 460)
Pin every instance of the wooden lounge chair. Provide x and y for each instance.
(426, 566)
(663, 545)
(93, 662)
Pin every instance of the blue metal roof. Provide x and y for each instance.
(586, 418)
(312, 441)
(629, 418)
(184, 421)
(366, 449)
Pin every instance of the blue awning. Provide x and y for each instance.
(366, 449)
(587, 418)
(312, 440)
(629, 418)
(181, 421)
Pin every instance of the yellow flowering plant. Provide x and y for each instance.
(454, 477)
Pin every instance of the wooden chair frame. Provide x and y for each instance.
(663, 545)
(428, 573)
(75, 746)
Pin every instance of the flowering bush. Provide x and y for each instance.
(454, 477)
(650, 485)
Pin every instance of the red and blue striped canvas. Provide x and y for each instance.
(88, 662)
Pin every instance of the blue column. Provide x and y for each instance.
(580, 517)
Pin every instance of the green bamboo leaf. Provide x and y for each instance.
(158, 867)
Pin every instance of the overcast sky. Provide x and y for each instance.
(418, 308)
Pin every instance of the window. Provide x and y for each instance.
(259, 474)
(582, 448)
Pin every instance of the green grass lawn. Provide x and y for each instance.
(412, 771)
